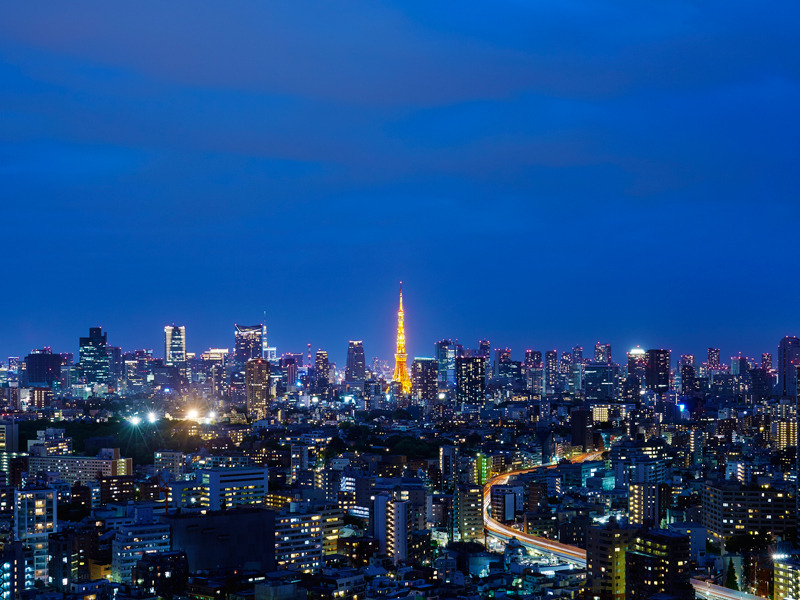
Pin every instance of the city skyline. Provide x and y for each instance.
(339, 355)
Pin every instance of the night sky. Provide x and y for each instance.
(537, 173)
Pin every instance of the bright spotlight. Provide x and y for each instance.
(151, 417)
(192, 414)
(135, 420)
(212, 415)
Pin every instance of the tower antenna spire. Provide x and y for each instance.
(400, 357)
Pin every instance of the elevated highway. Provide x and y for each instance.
(573, 554)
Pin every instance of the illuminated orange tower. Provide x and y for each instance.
(400, 369)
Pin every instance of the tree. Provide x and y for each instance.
(730, 578)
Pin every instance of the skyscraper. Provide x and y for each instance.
(470, 379)
(657, 370)
(401, 376)
(424, 379)
(43, 369)
(577, 355)
(550, 371)
(175, 345)
(602, 353)
(713, 358)
(248, 343)
(321, 372)
(93, 366)
(257, 387)
(356, 369)
(788, 359)
(445, 354)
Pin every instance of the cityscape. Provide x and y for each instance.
(399, 300)
(245, 470)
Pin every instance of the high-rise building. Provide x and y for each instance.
(766, 361)
(131, 542)
(637, 365)
(321, 372)
(657, 561)
(551, 370)
(648, 503)
(470, 379)
(257, 387)
(577, 355)
(356, 370)
(34, 520)
(424, 379)
(657, 371)
(786, 577)
(601, 381)
(731, 508)
(43, 369)
(605, 559)
(788, 360)
(175, 345)
(502, 356)
(468, 512)
(248, 343)
(602, 352)
(401, 376)
(93, 366)
(116, 366)
(445, 354)
(713, 358)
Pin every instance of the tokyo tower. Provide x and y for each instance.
(400, 369)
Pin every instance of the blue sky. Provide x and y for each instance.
(540, 174)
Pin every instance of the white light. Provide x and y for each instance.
(212, 415)
(135, 420)
(192, 414)
(151, 417)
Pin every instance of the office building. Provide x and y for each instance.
(602, 353)
(550, 371)
(321, 372)
(131, 542)
(356, 369)
(788, 360)
(248, 343)
(221, 488)
(713, 358)
(257, 387)
(175, 346)
(657, 371)
(82, 469)
(424, 380)
(445, 354)
(470, 380)
(93, 365)
(43, 369)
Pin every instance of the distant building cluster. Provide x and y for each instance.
(237, 473)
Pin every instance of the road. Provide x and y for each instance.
(573, 554)
(570, 554)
